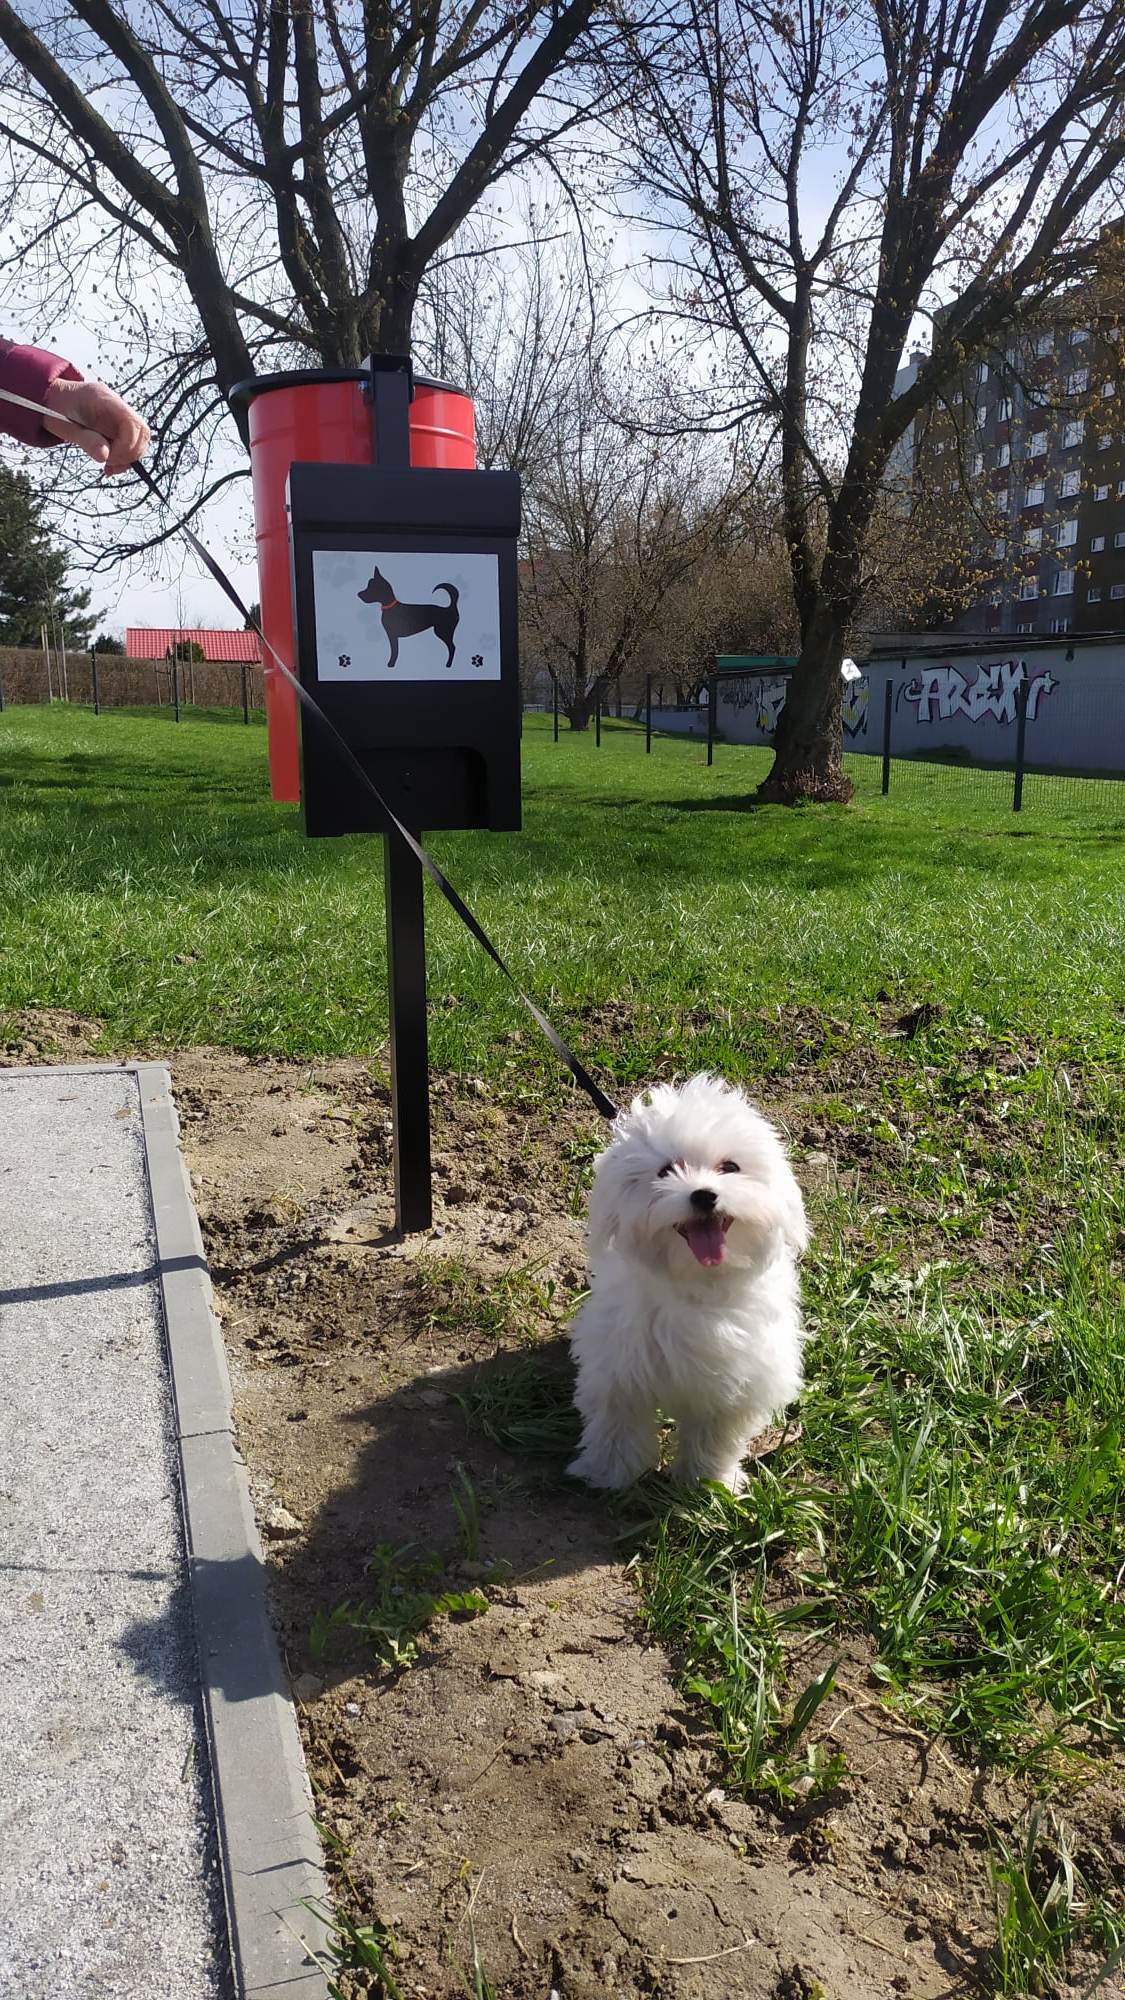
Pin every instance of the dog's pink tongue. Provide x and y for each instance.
(708, 1244)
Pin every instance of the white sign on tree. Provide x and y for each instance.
(394, 615)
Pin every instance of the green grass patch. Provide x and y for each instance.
(149, 883)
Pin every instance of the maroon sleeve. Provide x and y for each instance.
(29, 371)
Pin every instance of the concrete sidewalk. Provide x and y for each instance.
(155, 1834)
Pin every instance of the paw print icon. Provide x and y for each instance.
(343, 660)
(478, 659)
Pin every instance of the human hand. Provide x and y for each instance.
(98, 421)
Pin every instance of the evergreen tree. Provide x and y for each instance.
(33, 587)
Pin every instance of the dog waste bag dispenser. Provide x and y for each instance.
(404, 592)
(404, 614)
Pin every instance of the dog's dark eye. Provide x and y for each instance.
(666, 1170)
(729, 1167)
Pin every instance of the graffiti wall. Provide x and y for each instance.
(956, 700)
(750, 704)
(965, 701)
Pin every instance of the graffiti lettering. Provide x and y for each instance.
(766, 697)
(939, 693)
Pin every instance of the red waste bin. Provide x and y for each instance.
(313, 416)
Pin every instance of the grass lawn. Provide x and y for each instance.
(149, 882)
(933, 993)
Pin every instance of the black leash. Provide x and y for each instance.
(577, 1069)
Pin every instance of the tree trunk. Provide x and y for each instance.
(578, 713)
(808, 750)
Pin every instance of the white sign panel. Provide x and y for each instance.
(418, 616)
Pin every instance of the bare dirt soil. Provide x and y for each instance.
(533, 1781)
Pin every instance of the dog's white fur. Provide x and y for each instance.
(715, 1345)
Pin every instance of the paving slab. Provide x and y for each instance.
(156, 1838)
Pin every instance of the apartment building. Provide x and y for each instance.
(1031, 447)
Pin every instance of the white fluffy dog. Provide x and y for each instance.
(696, 1223)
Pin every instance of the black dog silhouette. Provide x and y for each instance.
(401, 620)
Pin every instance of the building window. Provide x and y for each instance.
(1013, 356)
(1117, 590)
(1077, 381)
(958, 398)
(1060, 624)
(983, 376)
(1078, 334)
(1119, 541)
(1097, 544)
(1113, 333)
(1068, 534)
(1004, 410)
(1064, 582)
(1043, 346)
(1037, 444)
(1025, 628)
(1002, 499)
(1072, 433)
(1104, 441)
(1120, 488)
(1033, 497)
(978, 464)
(982, 414)
(1094, 595)
(1029, 587)
(1107, 390)
(1004, 456)
(995, 597)
(939, 448)
(1069, 483)
(999, 548)
(1101, 492)
(1033, 538)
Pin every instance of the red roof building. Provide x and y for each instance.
(144, 642)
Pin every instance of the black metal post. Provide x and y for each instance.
(406, 985)
(555, 686)
(176, 683)
(711, 720)
(1021, 740)
(391, 390)
(1, 694)
(888, 711)
(648, 715)
(597, 722)
(245, 692)
(94, 682)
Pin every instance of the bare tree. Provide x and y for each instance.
(261, 184)
(830, 172)
(619, 527)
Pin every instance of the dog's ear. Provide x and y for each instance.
(791, 1216)
(604, 1215)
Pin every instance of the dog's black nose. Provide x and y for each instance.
(704, 1199)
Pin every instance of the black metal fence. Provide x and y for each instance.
(114, 680)
(1026, 772)
(1035, 723)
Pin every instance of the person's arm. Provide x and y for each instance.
(84, 413)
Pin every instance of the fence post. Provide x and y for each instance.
(555, 703)
(245, 693)
(1021, 740)
(176, 683)
(711, 691)
(888, 711)
(648, 715)
(94, 682)
(1, 694)
(598, 721)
